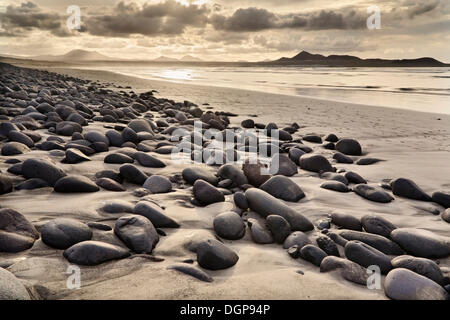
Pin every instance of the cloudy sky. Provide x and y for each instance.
(227, 30)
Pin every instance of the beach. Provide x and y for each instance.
(412, 145)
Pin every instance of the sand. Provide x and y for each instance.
(415, 145)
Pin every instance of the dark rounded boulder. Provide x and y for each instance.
(206, 193)
(42, 169)
(315, 163)
(366, 256)
(283, 188)
(229, 225)
(425, 267)
(342, 158)
(155, 214)
(335, 186)
(16, 232)
(372, 194)
(133, 174)
(6, 185)
(377, 225)
(349, 147)
(312, 254)
(75, 184)
(279, 227)
(441, 198)
(259, 233)
(14, 148)
(62, 233)
(297, 238)
(422, 243)
(91, 253)
(214, 255)
(407, 188)
(192, 174)
(346, 221)
(137, 232)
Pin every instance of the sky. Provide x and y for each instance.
(227, 30)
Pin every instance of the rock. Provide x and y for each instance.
(192, 271)
(296, 238)
(206, 193)
(140, 125)
(342, 158)
(265, 204)
(331, 138)
(155, 214)
(350, 270)
(158, 184)
(234, 173)
(328, 245)
(11, 288)
(312, 254)
(349, 147)
(403, 284)
(378, 242)
(137, 232)
(113, 175)
(20, 137)
(149, 161)
(190, 175)
(333, 176)
(353, 177)
(110, 185)
(337, 239)
(229, 225)
(295, 154)
(118, 206)
(335, 186)
(346, 221)
(425, 267)
(16, 232)
(367, 161)
(132, 174)
(214, 255)
(129, 135)
(75, 156)
(446, 215)
(118, 158)
(366, 256)
(315, 163)
(377, 225)
(31, 184)
(15, 169)
(6, 184)
(422, 243)
(62, 233)
(240, 200)
(42, 169)
(282, 187)
(75, 184)
(441, 198)
(282, 165)
(312, 138)
(279, 227)
(259, 233)
(248, 124)
(372, 194)
(294, 252)
(14, 148)
(253, 173)
(96, 136)
(408, 189)
(91, 253)
(115, 138)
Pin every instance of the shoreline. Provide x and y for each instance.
(413, 144)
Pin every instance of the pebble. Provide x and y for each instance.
(62, 233)
(14, 148)
(11, 288)
(282, 165)
(422, 243)
(279, 227)
(259, 233)
(253, 173)
(75, 184)
(16, 232)
(206, 194)
(229, 225)
(315, 163)
(422, 266)
(91, 253)
(313, 254)
(372, 194)
(110, 184)
(441, 198)
(349, 147)
(283, 188)
(214, 255)
(133, 174)
(353, 177)
(335, 186)
(349, 270)
(240, 200)
(296, 238)
(408, 189)
(190, 175)
(158, 184)
(155, 214)
(346, 221)
(329, 246)
(366, 256)
(42, 169)
(192, 271)
(378, 242)
(137, 232)
(234, 173)
(148, 161)
(6, 184)
(377, 225)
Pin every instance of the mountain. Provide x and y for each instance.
(190, 58)
(165, 59)
(308, 59)
(75, 55)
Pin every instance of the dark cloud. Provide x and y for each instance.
(166, 18)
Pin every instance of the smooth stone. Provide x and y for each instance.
(353, 177)
(113, 175)
(422, 243)
(191, 271)
(240, 200)
(295, 154)
(115, 138)
(297, 238)
(20, 137)
(110, 184)
(372, 194)
(16, 232)
(206, 193)
(378, 242)
(335, 186)
(11, 288)
(118, 158)
(129, 135)
(14, 148)
(425, 267)
(282, 165)
(62, 233)
(75, 156)
(229, 225)
(140, 125)
(279, 227)
(137, 232)
(294, 252)
(312, 138)
(75, 184)
(446, 215)
(367, 161)
(15, 169)
(313, 254)
(283, 188)
(31, 184)
(366, 256)
(315, 163)
(148, 161)
(338, 239)
(441, 198)
(265, 204)
(408, 189)
(42, 169)
(91, 253)
(190, 175)
(346, 221)
(349, 147)
(350, 270)
(331, 138)
(118, 206)
(133, 174)
(96, 136)
(214, 255)
(259, 233)
(6, 184)
(158, 184)
(155, 214)
(253, 173)
(232, 172)
(329, 246)
(404, 284)
(248, 124)
(334, 177)
(377, 225)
